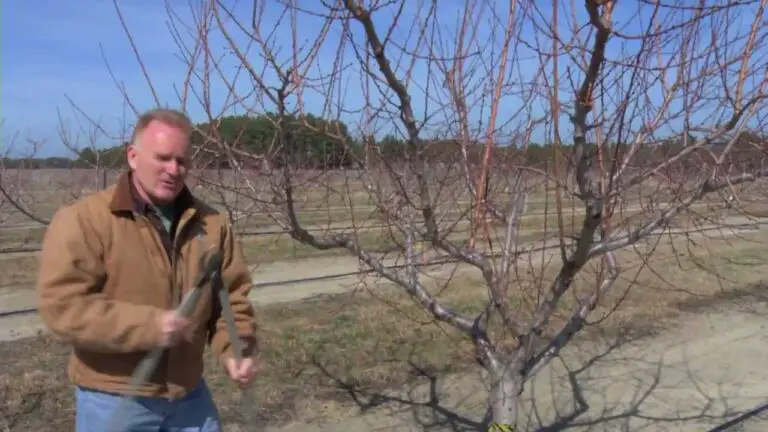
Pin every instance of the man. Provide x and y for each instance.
(113, 267)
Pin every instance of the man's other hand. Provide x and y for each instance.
(172, 327)
(241, 372)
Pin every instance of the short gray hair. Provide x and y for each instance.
(166, 116)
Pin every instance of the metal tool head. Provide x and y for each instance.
(208, 265)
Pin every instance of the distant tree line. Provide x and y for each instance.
(317, 143)
(312, 142)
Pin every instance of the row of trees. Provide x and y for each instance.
(317, 143)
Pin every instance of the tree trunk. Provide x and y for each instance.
(505, 389)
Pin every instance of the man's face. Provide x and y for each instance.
(159, 160)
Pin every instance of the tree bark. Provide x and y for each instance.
(505, 388)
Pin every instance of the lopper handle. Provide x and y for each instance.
(229, 319)
(149, 363)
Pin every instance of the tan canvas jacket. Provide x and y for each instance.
(105, 277)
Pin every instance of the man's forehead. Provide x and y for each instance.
(163, 132)
(160, 137)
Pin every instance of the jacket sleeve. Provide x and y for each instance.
(69, 290)
(236, 279)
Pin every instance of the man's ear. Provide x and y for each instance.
(130, 155)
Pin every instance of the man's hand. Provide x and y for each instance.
(171, 327)
(241, 372)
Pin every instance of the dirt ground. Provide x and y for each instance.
(20, 326)
(689, 376)
(694, 377)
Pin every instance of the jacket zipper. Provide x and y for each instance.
(173, 258)
(156, 237)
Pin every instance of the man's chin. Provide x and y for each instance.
(165, 196)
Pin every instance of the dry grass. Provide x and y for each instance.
(19, 269)
(313, 347)
(44, 190)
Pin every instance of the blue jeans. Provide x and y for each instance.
(195, 412)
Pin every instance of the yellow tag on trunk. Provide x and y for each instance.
(500, 427)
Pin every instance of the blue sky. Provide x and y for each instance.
(51, 50)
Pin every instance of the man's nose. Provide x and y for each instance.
(174, 168)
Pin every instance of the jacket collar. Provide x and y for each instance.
(126, 199)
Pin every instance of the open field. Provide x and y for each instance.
(322, 352)
(18, 269)
(320, 197)
(42, 191)
(317, 348)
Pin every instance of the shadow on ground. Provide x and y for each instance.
(705, 375)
